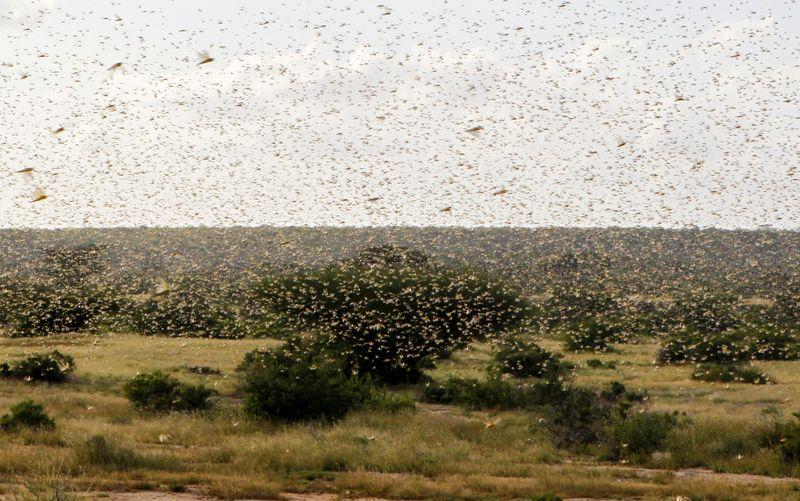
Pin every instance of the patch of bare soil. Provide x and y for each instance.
(697, 474)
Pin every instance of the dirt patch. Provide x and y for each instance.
(695, 474)
(699, 473)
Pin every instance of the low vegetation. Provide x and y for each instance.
(730, 373)
(523, 358)
(299, 382)
(183, 312)
(399, 376)
(590, 335)
(26, 414)
(52, 367)
(388, 321)
(784, 436)
(157, 392)
(97, 450)
(35, 309)
(596, 363)
(638, 435)
(732, 346)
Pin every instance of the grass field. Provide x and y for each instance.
(433, 452)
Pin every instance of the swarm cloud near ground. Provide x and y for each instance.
(352, 114)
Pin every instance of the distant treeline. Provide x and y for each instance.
(647, 261)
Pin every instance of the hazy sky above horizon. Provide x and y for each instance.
(591, 113)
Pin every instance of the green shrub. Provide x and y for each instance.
(786, 307)
(52, 367)
(99, 451)
(596, 363)
(387, 320)
(547, 496)
(26, 414)
(640, 434)
(491, 393)
(734, 346)
(189, 310)
(578, 416)
(770, 342)
(159, 393)
(784, 436)
(298, 382)
(590, 335)
(790, 448)
(35, 309)
(574, 415)
(574, 305)
(705, 311)
(694, 346)
(728, 373)
(524, 358)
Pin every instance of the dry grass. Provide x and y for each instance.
(435, 452)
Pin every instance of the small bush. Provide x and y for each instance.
(784, 436)
(183, 312)
(159, 393)
(547, 496)
(579, 416)
(705, 311)
(770, 342)
(596, 363)
(730, 347)
(524, 358)
(694, 346)
(26, 414)
(574, 305)
(590, 335)
(730, 373)
(787, 302)
(574, 415)
(640, 434)
(38, 310)
(53, 367)
(298, 382)
(99, 451)
(491, 393)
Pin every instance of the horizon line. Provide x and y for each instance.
(760, 228)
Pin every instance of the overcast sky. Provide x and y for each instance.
(590, 113)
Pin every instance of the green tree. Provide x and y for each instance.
(386, 320)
